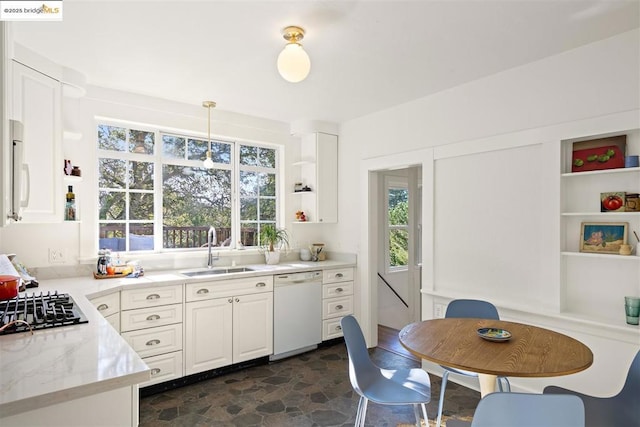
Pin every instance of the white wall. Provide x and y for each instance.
(543, 99)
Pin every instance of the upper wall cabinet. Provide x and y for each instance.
(318, 176)
(37, 104)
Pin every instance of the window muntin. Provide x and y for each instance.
(189, 199)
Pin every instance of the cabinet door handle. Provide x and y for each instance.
(153, 317)
(338, 328)
(338, 290)
(153, 296)
(102, 307)
(339, 276)
(202, 291)
(339, 307)
(237, 299)
(260, 285)
(153, 342)
(155, 371)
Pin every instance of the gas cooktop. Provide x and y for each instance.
(39, 311)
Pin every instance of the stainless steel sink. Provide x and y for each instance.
(216, 271)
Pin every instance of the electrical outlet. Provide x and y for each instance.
(57, 256)
(438, 311)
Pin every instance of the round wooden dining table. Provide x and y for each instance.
(531, 351)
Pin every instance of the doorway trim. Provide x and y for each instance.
(367, 303)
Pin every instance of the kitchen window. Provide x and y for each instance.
(154, 192)
(397, 226)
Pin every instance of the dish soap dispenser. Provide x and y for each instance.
(70, 207)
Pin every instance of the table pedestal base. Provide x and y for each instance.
(487, 384)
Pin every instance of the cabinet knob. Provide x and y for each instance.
(338, 328)
(153, 317)
(102, 307)
(230, 300)
(338, 290)
(155, 371)
(153, 342)
(260, 285)
(237, 299)
(202, 291)
(153, 296)
(339, 276)
(339, 307)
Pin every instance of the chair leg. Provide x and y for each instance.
(424, 414)
(503, 384)
(445, 376)
(362, 411)
(416, 413)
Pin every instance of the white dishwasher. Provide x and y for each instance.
(297, 313)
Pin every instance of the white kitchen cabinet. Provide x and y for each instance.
(592, 285)
(152, 324)
(109, 307)
(36, 102)
(318, 170)
(337, 300)
(227, 322)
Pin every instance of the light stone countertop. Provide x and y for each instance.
(61, 364)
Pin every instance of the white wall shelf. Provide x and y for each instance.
(605, 214)
(601, 172)
(607, 256)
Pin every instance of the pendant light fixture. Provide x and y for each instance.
(208, 163)
(293, 62)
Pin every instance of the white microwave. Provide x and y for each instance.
(19, 176)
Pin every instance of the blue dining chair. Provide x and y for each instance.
(623, 409)
(468, 308)
(526, 410)
(382, 386)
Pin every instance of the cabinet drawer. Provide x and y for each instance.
(331, 328)
(151, 297)
(164, 367)
(107, 304)
(337, 307)
(337, 289)
(337, 275)
(150, 317)
(154, 341)
(114, 320)
(227, 288)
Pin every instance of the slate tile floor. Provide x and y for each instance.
(307, 390)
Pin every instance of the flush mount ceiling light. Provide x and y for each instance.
(293, 61)
(208, 163)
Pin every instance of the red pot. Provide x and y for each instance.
(9, 287)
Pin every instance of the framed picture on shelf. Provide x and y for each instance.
(603, 237)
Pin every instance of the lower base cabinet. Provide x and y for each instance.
(221, 331)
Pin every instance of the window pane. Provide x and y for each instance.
(268, 184)
(248, 155)
(194, 198)
(248, 183)
(267, 157)
(267, 209)
(398, 207)
(248, 209)
(249, 234)
(141, 237)
(112, 138)
(112, 173)
(141, 142)
(111, 205)
(112, 236)
(220, 152)
(398, 248)
(173, 146)
(141, 175)
(141, 206)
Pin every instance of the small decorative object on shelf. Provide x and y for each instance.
(632, 161)
(76, 171)
(67, 167)
(300, 216)
(632, 202)
(70, 206)
(297, 187)
(599, 154)
(613, 202)
(603, 237)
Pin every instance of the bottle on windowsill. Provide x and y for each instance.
(70, 206)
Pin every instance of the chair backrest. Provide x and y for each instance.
(472, 308)
(529, 410)
(361, 369)
(631, 386)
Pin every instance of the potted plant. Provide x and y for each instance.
(272, 240)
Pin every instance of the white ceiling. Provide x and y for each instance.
(365, 55)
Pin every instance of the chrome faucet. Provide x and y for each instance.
(212, 240)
